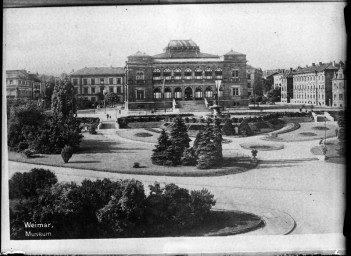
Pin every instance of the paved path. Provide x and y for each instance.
(292, 190)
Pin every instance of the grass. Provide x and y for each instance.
(307, 134)
(110, 154)
(320, 128)
(333, 154)
(143, 134)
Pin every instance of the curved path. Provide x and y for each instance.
(291, 189)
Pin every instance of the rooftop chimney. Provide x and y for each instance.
(334, 63)
(313, 64)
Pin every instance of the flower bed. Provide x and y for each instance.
(262, 147)
(143, 134)
(288, 128)
(308, 134)
(320, 128)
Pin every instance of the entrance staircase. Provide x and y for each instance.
(108, 125)
(192, 106)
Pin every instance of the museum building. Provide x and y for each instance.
(185, 75)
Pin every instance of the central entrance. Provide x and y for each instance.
(188, 93)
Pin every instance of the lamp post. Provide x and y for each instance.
(104, 93)
(126, 88)
(325, 131)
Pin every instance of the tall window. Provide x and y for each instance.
(218, 73)
(177, 73)
(102, 80)
(157, 93)
(76, 90)
(198, 93)
(156, 74)
(341, 96)
(178, 93)
(119, 89)
(168, 93)
(208, 73)
(75, 81)
(92, 81)
(139, 94)
(110, 80)
(111, 89)
(188, 73)
(139, 75)
(167, 74)
(92, 90)
(85, 90)
(85, 81)
(198, 73)
(208, 92)
(235, 91)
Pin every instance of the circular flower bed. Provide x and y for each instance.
(320, 128)
(143, 134)
(262, 147)
(308, 134)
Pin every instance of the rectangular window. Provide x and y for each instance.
(119, 89)
(341, 96)
(235, 91)
(85, 90)
(102, 80)
(111, 89)
(92, 81)
(92, 90)
(75, 81)
(76, 90)
(139, 94)
(110, 80)
(119, 80)
(235, 73)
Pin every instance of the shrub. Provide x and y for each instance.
(27, 153)
(22, 145)
(66, 153)
(228, 128)
(92, 129)
(254, 153)
(186, 119)
(136, 165)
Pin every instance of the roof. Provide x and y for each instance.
(139, 54)
(182, 55)
(22, 74)
(181, 44)
(231, 52)
(34, 77)
(250, 67)
(315, 68)
(99, 71)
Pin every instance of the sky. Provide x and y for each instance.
(272, 35)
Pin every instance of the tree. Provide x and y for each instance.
(217, 133)
(63, 100)
(160, 155)
(244, 128)
(228, 128)
(112, 98)
(201, 202)
(179, 140)
(274, 95)
(189, 157)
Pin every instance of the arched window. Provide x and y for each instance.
(218, 73)
(188, 74)
(167, 74)
(177, 74)
(156, 74)
(157, 93)
(198, 73)
(178, 93)
(168, 93)
(139, 75)
(198, 93)
(208, 73)
(220, 94)
(208, 92)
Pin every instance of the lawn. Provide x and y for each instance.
(333, 154)
(110, 153)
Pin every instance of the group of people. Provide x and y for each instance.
(108, 116)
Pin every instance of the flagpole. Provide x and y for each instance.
(163, 93)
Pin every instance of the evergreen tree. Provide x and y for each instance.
(207, 151)
(228, 128)
(63, 102)
(180, 140)
(189, 157)
(160, 153)
(244, 128)
(218, 141)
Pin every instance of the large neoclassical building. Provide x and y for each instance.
(184, 73)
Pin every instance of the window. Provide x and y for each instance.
(198, 73)
(208, 73)
(218, 73)
(198, 93)
(102, 81)
(168, 93)
(92, 81)
(208, 92)
(110, 80)
(139, 94)
(341, 96)
(235, 91)
(85, 81)
(11, 81)
(75, 81)
(85, 90)
(111, 89)
(157, 93)
(177, 73)
(92, 90)
(188, 73)
(156, 74)
(178, 93)
(235, 74)
(119, 89)
(167, 74)
(76, 90)
(139, 75)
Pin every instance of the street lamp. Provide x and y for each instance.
(126, 88)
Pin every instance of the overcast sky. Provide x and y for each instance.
(282, 35)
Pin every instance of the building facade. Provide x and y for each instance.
(184, 73)
(254, 80)
(313, 84)
(23, 84)
(287, 88)
(339, 88)
(278, 79)
(89, 82)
